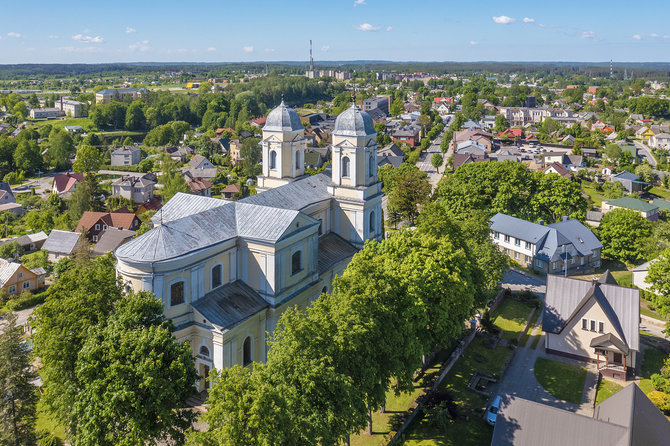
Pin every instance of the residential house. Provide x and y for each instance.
(138, 189)
(94, 224)
(596, 321)
(200, 162)
(511, 133)
(111, 239)
(589, 152)
(235, 152)
(547, 248)
(74, 129)
(408, 134)
(627, 418)
(559, 169)
(6, 194)
(231, 191)
(66, 183)
(152, 205)
(461, 159)
(258, 122)
(29, 242)
(570, 162)
(126, 156)
(206, 174)
(660, 141)
(391, 150)
(179, 154)
(471, 147)
(593, 218)
(647, 210)
(117, 94)
(314, 159)
(662, 204)
(630, 181)
(61, 244)
(644, 133)
(394, 161)
(16, 278)
(198, 186)
(640, 275)
(73, 109)
(471, 125)
(480, 136)
(377, 107)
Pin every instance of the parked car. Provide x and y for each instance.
(531, 145)
(492, 413)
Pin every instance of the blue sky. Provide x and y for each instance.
(75, 31)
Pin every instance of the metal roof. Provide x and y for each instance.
(296, 195)
(521, 422)
(61, 242)
(354, 122)
(625, 175)
(332, 250)
(566, 295)
(582, 238)
(111, 239)
(183, 204)
(227, 306)
(518, 228)
(7, 270)
(283, 119)
(631, 203)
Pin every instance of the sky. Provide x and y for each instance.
(74, 31)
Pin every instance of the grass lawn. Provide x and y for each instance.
(606, 389)
(651, 363)
(531, 325)
(663, 193)
(44, 422)
(511, 317)
(85, 123)
(564, 381)
(473, 430)
(396, 405)
(589, 189)
(646, 309)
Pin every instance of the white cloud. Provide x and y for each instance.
(248, 49)
(637, 37)
(666, 37)
(13, 34)
(359, 2)
(325, 48)
(140, 46)
(389, 28)
(87, 39)
(367, 27)
(588, 35)
(653, 35)
(473, 43)
(211, 48)
(269, 50)
(503, 19)
(528, 20)
(53, 37)
(130, 30)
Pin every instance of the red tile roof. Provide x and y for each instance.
(66, 181)
(198, 184)
(121, 220)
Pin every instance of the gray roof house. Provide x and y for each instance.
(61, 244)
(596, 321)
(630, 181)
(547, 248)
(200, 162)
(628, 418)
(391, 150)
(126, 156)
(138, 189)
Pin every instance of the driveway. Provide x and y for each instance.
(645, 151)
(518, 280)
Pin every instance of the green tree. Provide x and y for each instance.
(555, 196)
(28, 157)
(135, 378)
(205, 87)
(88, 159)
(659, 278)
(646, 173)
(18, 396)
(61, 148)
(613, 152)
(251, 153)
(397, 108)
(411, 189)
(171, 179)
(436, 161)
(623, 233)
(501, 124)
(135, 118)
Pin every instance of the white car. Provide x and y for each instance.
(492, 412)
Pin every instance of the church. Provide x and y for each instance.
(226, 271)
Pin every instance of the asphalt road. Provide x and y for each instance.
(645, 151)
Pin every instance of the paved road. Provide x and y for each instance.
(645, 151)
(517, 280)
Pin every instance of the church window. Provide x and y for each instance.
(371, 167)
(372, 222)
(204, 351)
(177, 293)
(296, 262)
(216, 276)
(345, 166)
(297, 159)
(273, 159)
(246, 352)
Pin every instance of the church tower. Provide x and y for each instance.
(283, 148)
(354, 177)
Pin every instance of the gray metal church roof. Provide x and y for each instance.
(354, 122)
(283, 119)
(183, 204)
(296, 195)
(227, 306)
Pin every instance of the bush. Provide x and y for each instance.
(134, 168)
(26, 300)
(660, 400)
(46, 438)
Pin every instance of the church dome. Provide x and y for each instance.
(354, 122)
(283, 119)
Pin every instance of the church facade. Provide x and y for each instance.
(226, 271)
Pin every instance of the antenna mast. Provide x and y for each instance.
(311, 60)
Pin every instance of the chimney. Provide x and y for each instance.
(541, 222)
(565, 218)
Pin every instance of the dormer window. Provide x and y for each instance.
(296, 262)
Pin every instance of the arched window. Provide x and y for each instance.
(217, 276)
(297, 160)
(372, 222)
(273, 159)
(296, 262)
(371, 167)
(345, 166)
(320, 226)
(246, 352)
(177, 293)
(204, 351)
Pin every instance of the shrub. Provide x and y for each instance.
(46, 438)
(26, 300)
(660, 400)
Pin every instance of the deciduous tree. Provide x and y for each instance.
(623, 233)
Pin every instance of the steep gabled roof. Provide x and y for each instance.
(607, 277)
